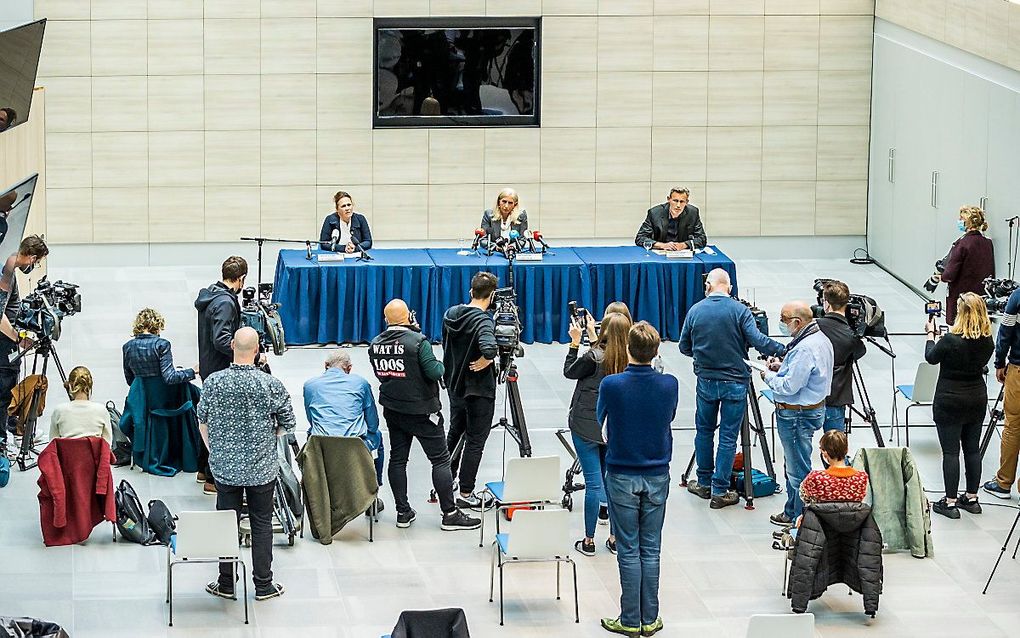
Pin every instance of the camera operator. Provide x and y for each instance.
(469, 347)
(970, 261)
(717, 332)
(408, 374)
(847, 347)
(30, 251)
(1007, 372)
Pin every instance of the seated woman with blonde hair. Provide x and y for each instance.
(504, 217)
(81, 417)
(148, 355)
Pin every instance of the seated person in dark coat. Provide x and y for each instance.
(148, 355)
(505, 217)
(350, 227)
(673, 225)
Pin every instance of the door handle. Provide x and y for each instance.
(892, 165)
(934, 189)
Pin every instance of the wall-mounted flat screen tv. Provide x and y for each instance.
(19, 61)
(457, 72)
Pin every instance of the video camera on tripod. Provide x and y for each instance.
(263, 315)
(863, 314)
(997, 292)
(42, 311)
(507, 330)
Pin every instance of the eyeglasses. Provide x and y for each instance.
(507, 201)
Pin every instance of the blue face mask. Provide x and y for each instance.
(784, 329)
(961, 226)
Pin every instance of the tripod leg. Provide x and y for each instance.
(745, 446)
(1005, 544)
(993, 421)
(687, 472)
(520, 429)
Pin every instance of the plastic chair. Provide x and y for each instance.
(360, 472)
(538, 536)
(530, 482)
(921, 393)
(781, 626)
(205, 537)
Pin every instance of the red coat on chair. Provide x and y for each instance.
(75, 489)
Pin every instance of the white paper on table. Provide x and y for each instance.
(757, 365)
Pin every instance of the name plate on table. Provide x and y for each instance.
(327, 257)
(528, 257)
(675, 254)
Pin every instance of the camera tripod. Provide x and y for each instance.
(751, 423)
(44, 349)
(994, 416)
(867, 410)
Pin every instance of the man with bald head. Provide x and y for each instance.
(409, 375)
(717, 332)
(241, 413)
(799, 383)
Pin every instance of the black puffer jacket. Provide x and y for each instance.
(837, 543)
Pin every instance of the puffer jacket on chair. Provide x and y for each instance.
(837, 543)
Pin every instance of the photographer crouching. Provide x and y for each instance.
(847, 348)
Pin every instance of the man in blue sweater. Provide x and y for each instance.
(639, 446)
(717, 332)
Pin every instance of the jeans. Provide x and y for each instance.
(722, 405)
(835, 418)
(470, 417)
(8, 379)
(593, 464)
(380, 463)
(637, 507)
(796, 428)
(260, 514)
(404, 429)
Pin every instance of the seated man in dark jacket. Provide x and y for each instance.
(673, 225)
(345, 230)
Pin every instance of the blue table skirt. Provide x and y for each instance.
(337, 302)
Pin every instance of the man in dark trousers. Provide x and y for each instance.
(639, 447)
(469, 347)
(409, 374)
(219, 317)
(847, 348)
(673, 225)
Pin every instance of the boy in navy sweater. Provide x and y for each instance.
(636, 408)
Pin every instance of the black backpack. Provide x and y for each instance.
(121, 444)
(131, 520)
(161, 521)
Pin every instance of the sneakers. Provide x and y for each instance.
(404, 519)
(724, 500)
(200, 477)
(379, 507)
(611, 545)
(209, 488)
(458, 520)
(216, 589)
(701, 491)
(993, 488)
(603, 515)
(615, 626)
(272, 591)
(652, 629)
(780, 519)
(944, 508)
(474, 502)
(968, 504)
(585, 546)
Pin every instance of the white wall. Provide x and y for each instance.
(15, 12)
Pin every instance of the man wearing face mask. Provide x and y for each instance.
(31, 250)
(717, 332)
(219, 317)
(847, 348)
(799, 383)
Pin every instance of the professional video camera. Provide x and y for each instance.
(262, 314)
(42, 311)
(997, 292)
(761, 319)
(508, 326)
(866, 319)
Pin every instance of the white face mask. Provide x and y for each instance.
(784, 328)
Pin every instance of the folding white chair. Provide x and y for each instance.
(538, 536)
(921, 393)
(205, 537)
(781, 626)
(530, 482)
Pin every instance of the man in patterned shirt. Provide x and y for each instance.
(241, 413)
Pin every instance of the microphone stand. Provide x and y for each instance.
(261, 240)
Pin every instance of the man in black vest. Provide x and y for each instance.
(847, 348)
(409, 374)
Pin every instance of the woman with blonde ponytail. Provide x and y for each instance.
(81, 417)
(970, 260)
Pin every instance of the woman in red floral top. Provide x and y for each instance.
(839, 482)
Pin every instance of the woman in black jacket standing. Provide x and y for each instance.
(961, 399)
(607, 355)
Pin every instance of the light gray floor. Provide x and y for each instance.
(717, 567)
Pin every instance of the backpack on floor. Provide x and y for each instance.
(121, 444)
(5, 470)
(761, 483)
(131, 520)
(161, 521)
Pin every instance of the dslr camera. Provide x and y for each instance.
(936, 276)
(997, 292)
(42, 311)
(865, 317)
(259, 312)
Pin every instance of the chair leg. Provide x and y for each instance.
(501, 593)
(168, 574)
(170, 592)
(577, 609)
(492, 569)
(481, 531)
(113, 524)
(906, 424)
(557, 580)
(371, 527)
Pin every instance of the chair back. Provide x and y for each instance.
(781, 626)
(537, 534)
(533, 479)
(207, 535)
(924, 383)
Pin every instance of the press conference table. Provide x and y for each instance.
(342, 302)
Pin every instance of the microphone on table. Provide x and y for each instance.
(499, 245)
(479, 233)
(516, 241)
(537, 236)
(334, 238)
(364, 253)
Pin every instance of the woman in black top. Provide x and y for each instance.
(607, 355)
(961, 399)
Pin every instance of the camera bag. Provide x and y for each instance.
(121, 447)
(131, 520)
(161, 521)
(761, 483)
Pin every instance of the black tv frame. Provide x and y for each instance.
(24, 116)
(453, 121)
